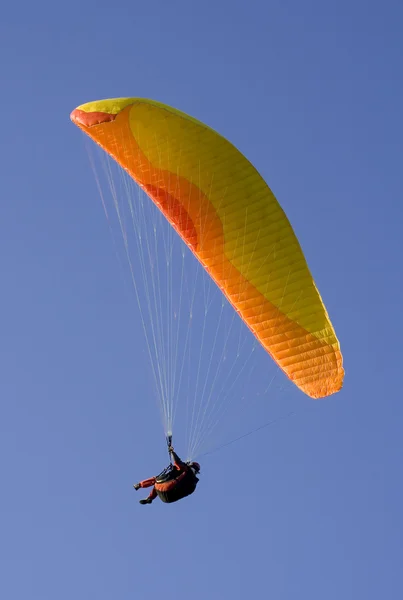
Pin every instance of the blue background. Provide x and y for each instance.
(308, 508)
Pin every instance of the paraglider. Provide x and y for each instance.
(174, 483)
(228, 216)
(207, 192)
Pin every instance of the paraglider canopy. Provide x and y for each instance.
(228, 216)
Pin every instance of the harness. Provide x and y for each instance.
(186, 484)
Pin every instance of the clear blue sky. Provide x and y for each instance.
(309, 508)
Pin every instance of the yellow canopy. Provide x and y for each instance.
(226, 213)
